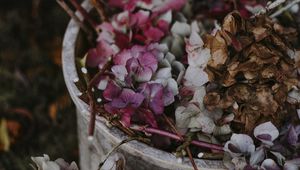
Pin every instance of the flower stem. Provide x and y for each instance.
(84, 14)
(176, 137)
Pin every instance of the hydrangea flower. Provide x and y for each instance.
(143, 83)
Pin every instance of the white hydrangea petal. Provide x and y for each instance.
(195, 76)
(266, 132)
(257, 156)
(181, 28)
(183, 115)
(163, 73)
(203, 123)
(269, 164)
(199, 57)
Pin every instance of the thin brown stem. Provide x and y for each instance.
(191, 158)
(100, 9)
(84, 13)
(176, 137)
(187, 148)
(69, 11)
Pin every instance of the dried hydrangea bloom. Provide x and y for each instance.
(253, 68)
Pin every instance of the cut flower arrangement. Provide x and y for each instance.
(193, 87)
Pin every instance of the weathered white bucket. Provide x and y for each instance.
(138, 156)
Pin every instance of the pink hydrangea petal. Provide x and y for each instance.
(122, 40)
(122, 57)
(143, 74)
(163, 25)
(154, 95)
(153, 34)
(99, 56)
(139, 18)
(126, 115)
(169, 5)
(148, 60)
(135, 99)
(112, 91)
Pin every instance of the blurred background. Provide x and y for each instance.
(36, 113)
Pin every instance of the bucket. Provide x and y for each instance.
(137, 155)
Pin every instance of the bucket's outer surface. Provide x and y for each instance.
(138, 156)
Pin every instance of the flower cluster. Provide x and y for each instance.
(142, 84)
(237, 86)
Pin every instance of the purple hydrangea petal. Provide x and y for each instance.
(148, 60)
(119, 71)
(270, 164)
(134, 99)
(292, 137)
(112, 91)
(122, 57)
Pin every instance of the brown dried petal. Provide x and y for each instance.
(211, 100)
(260, 33)
(218, 51)
(269, 72)
(230, 23)
(240, 92)
(266, 101)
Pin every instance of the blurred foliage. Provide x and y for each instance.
(36, 113)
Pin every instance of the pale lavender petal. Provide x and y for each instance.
(239, 144)
(143, 74)
(122, 57)
(257, 156)
(135, 99)
(148, 60)
(169, 5)
(270, 164)
(119, 71)
(195, 76)
(266, 133)
(292, 136)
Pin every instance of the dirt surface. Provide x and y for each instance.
(36, 113)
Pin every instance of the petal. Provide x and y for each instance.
(181, 28)
(112, 91)
(266, 132)
(169, 5)
(122, 57)
(140, 18)
(148, 60)
(195, 76)
(156, 99)
(99, 55)
(143, 74)
(257, 156)
(292, 136)
(153, 34)
(199, 57)
(119, 71)
(270, 164)
(126, 115)
(163, 73)
(134, 99)
(241, 142)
